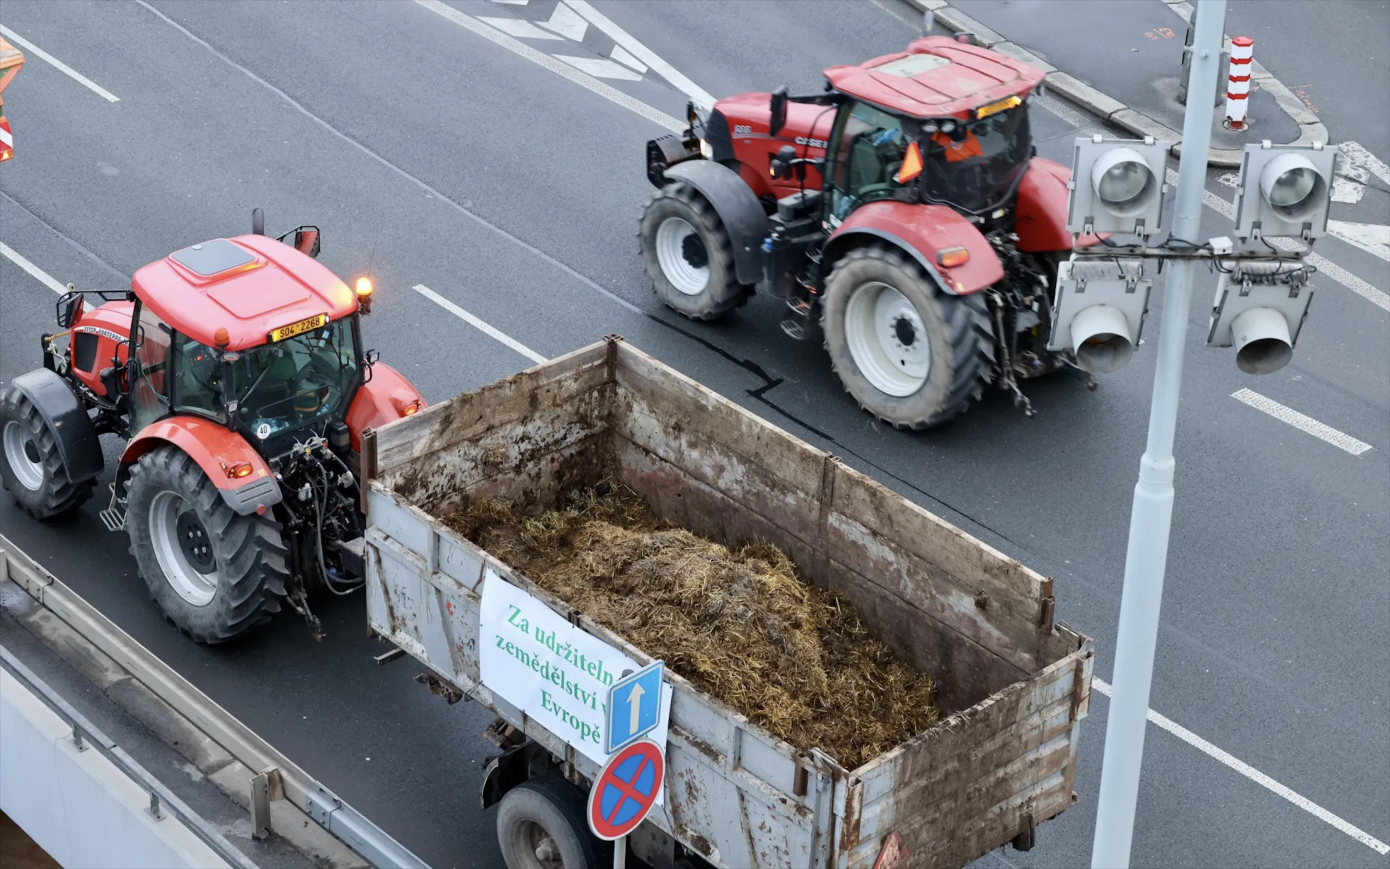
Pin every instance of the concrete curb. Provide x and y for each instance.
(1309, 127)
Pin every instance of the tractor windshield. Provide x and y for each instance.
(297, 382)
(974, 166)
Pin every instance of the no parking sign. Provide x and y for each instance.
(626, 789)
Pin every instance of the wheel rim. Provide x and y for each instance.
(23, 455)
(540, 847)
(887, 339)
(183, 549)
(682, 255)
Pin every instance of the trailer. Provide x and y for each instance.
(1013, 685)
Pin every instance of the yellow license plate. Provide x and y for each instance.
(992, 108)
(298, 328)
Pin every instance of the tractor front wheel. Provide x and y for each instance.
(214, 573)
(909, 353)
(31, 464)
(688, 255)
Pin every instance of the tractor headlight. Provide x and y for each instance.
(705, 150)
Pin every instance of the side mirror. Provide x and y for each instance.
(306, 240)
(779, 111)
(69, 309)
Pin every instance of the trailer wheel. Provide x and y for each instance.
(31, 465)
(910, 354)
(214, 573)
(540, 825)
(688, 255)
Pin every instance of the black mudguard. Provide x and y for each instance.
(738, 209)
(78, 442)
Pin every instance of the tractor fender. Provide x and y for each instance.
(386, 397)
(921, 231)
(738, 209)
(1041, 216)
(215, 448)
(78, 442)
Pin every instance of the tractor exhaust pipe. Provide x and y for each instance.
(257, 222)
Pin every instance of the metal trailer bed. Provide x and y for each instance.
(1013, 686)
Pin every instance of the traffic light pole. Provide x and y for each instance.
(1152, 514)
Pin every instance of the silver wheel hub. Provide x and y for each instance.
(23, 455)
(682, 255)
(543, 846)
(182, 548)
(887, 339)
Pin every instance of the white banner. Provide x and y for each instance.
(553, 671)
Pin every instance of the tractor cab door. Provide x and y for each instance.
(149, 383)
(867, 148)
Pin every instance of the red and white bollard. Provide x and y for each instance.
(1238, 89)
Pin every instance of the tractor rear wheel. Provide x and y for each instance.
(214, 573)
(31, 465)
(688, 254)
(910, 354)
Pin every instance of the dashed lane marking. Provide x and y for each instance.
(1301, 422)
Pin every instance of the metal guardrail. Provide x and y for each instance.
(86, 735)
(299, 788)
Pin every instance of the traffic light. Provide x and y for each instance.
(1099, 311)
(1284, 190)
(1117, 186)
(1259, 309)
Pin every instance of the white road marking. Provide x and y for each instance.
(62, 67)
(481, 326)
(39, 274)
(1302, 423)
(1345, 191)
(622, 55)
(559, 67)
(521, 29)
(1324, 266)
(1256, 776)
(641, 52)
(566, 22)
(1359, 162)
(1373, 238)
(599, 67)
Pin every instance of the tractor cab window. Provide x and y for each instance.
(197, 378)
(149, 389)
(975, 165)
(295, 383)
(869, 147)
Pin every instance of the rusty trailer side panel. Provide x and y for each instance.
(1014, 684)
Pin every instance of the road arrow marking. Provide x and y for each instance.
(566, 22)
(1370, 237)
(634, 705)
(520, 29)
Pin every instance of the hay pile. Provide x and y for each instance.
(739, 624)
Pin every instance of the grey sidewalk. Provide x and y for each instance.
(1125, 66)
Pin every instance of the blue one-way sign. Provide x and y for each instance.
(634, 707)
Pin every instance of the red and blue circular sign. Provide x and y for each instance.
(626, 789)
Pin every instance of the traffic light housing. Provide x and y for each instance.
(1284, 190)
(1259, 309)
(1117, 186)
(1099, 311)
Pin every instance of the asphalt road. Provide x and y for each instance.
(430, 155)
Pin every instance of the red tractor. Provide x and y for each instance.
(927, 251)
(234, 371)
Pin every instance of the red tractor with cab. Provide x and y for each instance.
(234, 370)
(903, 210)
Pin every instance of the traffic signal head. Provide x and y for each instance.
(1284, 190)
(1099, 311)
(1117, 185)
(1259, 309)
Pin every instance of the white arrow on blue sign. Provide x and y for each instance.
(634, 707)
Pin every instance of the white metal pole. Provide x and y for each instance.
(1152, 513)
(620, 853)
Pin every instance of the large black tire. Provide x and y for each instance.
(541, 825)
(31, 467)
(959, 352)
(214, 590)
(702, 283)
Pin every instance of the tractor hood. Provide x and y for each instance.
(748, 115)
